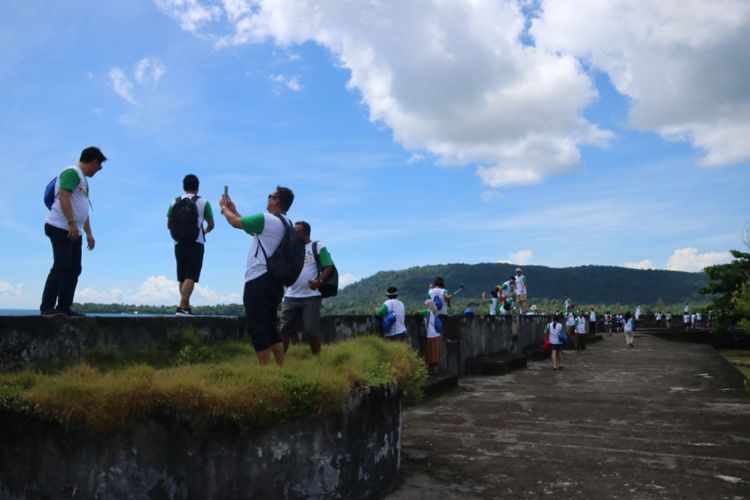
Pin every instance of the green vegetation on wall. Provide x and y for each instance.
(231, 388)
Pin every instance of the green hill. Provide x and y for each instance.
(595, 285)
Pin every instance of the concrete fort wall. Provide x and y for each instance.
(36, 341)
(352, 454)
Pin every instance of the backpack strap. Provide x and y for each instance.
(286, 229)
(316, 255)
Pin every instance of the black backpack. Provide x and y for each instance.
(329, 287)
(183, 223)
(285, 264)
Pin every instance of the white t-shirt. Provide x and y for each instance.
(592, 316)
(431, 332)
(554, 330)
(687, 309)
(493, 306)
(581, 325)
(301, 287)
(571, 321)
(521, 285)
(434, 292)
(79, 201)
(628, 325)
(270, 237)
(397, 307)
(638, 312)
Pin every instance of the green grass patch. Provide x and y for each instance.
(213, 385)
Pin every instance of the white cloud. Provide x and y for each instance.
(12, 296)
(683, 64)
(644, 264)
(156, 290)
(122, 85)
(450, 78)
(688, 259)
(347, 279)
(415, 158)
(290, 82)
(192, 15)
(149, 70)
(522, 257)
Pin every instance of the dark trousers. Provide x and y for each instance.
(580, 342)
(261, 299)
(63, 277)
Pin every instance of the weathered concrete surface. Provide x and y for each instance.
(353, 454)
(663, 420)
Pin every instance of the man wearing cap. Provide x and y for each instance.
(300, 309)
(398, 329)
(521, 290)
(67, 218)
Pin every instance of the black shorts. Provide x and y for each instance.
(189, 258)
(261, 298)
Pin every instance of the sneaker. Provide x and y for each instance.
(183, 312)
(50, 313)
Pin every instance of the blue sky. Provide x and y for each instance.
(412, 133)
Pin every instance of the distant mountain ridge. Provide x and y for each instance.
(584, 284)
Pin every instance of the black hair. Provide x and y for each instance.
(493, 293)
(190, 183)
(304, 225)
(439, 282)
(555, 319)
(92, 154)
(286, 197)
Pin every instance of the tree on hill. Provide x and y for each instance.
(728, 284)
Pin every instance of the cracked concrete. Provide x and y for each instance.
(663, 420)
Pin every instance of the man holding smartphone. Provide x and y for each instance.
(263, 293)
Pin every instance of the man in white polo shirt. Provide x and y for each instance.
(262, 293)
(300, 308)
(67, 218)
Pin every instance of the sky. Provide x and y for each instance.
(557, 133)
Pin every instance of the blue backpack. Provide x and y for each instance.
(438, 301)
(49, 193)
(388, 321)
(438, 324)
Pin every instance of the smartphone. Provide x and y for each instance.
(226, 191)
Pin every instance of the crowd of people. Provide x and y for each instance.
(190, 217)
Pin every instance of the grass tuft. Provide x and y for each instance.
(214, 385)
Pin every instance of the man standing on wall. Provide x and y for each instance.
(521, 291)
(185, 222)
(68, 216)
(302, 300)
(263, 292)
